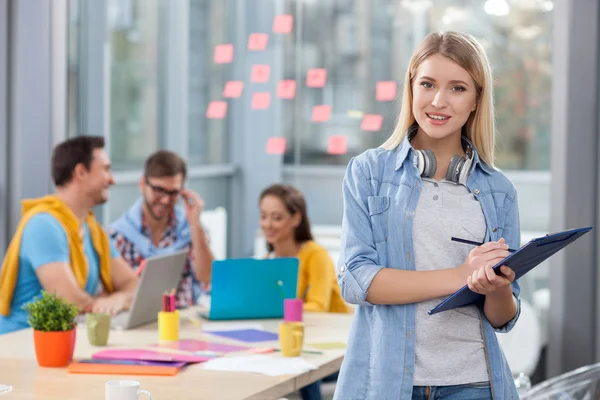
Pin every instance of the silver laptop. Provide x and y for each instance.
(161, 274)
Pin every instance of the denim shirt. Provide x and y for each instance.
(381, 190)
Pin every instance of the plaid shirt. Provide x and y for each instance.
(186, 295)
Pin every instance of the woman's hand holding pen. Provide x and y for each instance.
(478, 271)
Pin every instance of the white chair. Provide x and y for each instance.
(522, 345)
(215, 222)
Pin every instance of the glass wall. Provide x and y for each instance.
(137, 57)
(365, 46)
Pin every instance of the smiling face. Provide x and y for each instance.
(444, 96)
(161, 194)
(96, 181)
(276, 221)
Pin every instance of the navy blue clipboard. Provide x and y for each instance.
(521, 261)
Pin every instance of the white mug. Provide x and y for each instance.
(124, 390)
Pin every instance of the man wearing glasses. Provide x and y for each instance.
(157, 224)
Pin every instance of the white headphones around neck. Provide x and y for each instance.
(458, 169)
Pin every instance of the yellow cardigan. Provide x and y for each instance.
(318, 272)
(71, 224)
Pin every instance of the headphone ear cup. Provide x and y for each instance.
(454, 169)
(466, 169)
(430, 165)
(420, 162)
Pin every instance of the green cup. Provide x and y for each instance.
(98, 328)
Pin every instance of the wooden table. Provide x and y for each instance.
(19, 368)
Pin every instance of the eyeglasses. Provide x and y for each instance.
(161, 191)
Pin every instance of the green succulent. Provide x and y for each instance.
(50, 313)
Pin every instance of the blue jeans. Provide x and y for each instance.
(313, 391)
(470, 391)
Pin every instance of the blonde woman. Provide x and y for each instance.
(433, 179)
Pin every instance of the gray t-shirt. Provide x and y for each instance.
(449, 345)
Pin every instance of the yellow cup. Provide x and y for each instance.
(291, 338)
(168, 325)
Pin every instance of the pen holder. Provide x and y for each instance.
(168, 325)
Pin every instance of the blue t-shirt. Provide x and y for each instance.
(45, 241)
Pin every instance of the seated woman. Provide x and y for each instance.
(284, 221)
(286, 227)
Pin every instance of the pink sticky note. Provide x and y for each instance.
(371, 122)
(276, 145)
(316, 77)
(261, 100)
(385, 91)
(216, 109)
(283, 23)
(337, 145)
(321, 113)
(233, 89)
(260, 73)
(223, 54)
(286, 89)
(258, 41)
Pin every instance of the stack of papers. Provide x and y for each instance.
(260, 364)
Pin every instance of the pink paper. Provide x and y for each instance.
(223, 54)
(286, 89)
(371, 122)
(200, 345)
(147, 355)
(276, 145)
(233, 89)
(283, 23)
(316, 77)
(216, 109)
(385, 91)
(261, 100)
(321, 113)
(337, 145)
(258, 41)
(260, 73)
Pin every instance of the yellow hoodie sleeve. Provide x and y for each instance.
(320, 278)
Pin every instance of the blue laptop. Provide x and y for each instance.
(247, 288)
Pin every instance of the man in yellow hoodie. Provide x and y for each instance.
(60, 247)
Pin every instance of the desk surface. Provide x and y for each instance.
(19, 368)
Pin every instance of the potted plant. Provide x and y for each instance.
(53, 323)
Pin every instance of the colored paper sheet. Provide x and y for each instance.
(216, 109)
(386, 91)
(200, 345)
(283, 23)
(321, 113)
(233, 89)
(260, 73)
(371, 122)
(247, 335)
(337, 145)
(261, 100)
(146, 355)
(275, 145)
(286, 89)
(258, 41)
(328, 345)
(223, 54)
(316, 77)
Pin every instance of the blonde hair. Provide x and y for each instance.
(467, 52)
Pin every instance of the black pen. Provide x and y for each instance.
(454, 239)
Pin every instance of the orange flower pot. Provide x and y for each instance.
(54, 349)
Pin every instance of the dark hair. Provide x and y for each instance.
(68, 154)
(164, 163)
(294, 201)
